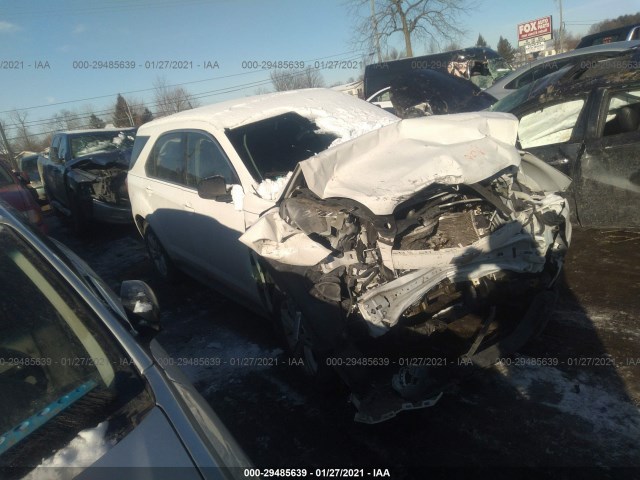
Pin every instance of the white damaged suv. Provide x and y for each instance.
(360, 233)
(199, 178)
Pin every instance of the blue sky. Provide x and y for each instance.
(203, 32)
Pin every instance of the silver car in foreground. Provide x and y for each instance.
(78, 390)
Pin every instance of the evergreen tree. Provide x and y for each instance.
(145, 117)
(122, 115)
(96, 122)
(481, 42)
(505, 49)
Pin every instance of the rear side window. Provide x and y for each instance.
(623, 113)
(166, 161)
(138, 145)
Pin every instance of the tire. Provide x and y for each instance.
(290, 327)
(162, 263)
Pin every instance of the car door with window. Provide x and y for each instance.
(216, 224)
(607, 180)
(165, 188)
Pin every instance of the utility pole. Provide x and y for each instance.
(374, 21)
(561, 30)
(12, 159)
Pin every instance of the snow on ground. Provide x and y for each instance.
(600, 319)
(585, 395)
(230, 355)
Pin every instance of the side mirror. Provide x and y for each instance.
(214, 188)
(141, 306)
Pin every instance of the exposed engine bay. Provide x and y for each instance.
(453, 271)
(392, 267)
(108, 185)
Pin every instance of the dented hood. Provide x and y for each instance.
(383, 168)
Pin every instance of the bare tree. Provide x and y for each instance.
(295, 79)
(620, 21)
(414, 19)
(569, 41)
(171, 99)
(23, 139)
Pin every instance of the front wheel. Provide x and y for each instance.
(292, 328)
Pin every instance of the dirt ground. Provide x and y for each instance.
(568, 404)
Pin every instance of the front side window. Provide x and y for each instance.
(550, 125)
(206, 159)
(61, 371)
(623, 113)
(166, 161)
(62, 149)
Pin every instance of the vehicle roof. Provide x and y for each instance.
(590, 79)
(604, 33)
(470, 51)
(594, 49)
(96, 130)
(311, 103)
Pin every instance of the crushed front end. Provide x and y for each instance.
(401, 296)
(102, 188)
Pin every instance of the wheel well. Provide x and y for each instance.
(141, 224)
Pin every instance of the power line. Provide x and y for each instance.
(197, 96)
(66, 102)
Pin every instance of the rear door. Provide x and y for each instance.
(607, 179)
(164, 187)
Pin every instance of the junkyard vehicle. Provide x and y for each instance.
(84, 175)
(28, 164)
(13, 190)
(451, 253)
(429, 92)
(78, 391)
(587, 125)
(481, 65)
(541, 67)
(621, 34)
(385, 228)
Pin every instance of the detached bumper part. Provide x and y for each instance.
(413, 388)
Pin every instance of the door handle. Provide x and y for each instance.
(188, 206)
(149, 189)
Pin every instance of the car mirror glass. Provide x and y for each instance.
(141, 305)
(214, 188)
